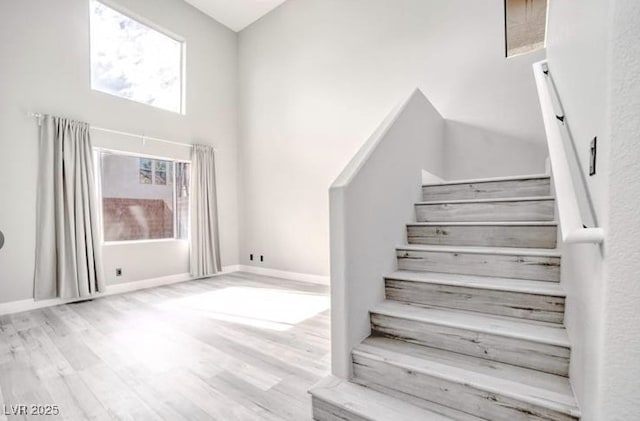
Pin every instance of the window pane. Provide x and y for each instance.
(160, 176)
(133, 210)
(145, 171)
(133, 61)
(525, 24)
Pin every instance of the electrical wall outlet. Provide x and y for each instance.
(261, 258)
(119, 272)
(251, 257)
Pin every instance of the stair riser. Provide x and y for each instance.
(524, 353)
(544, 308)
(459, 395)
(542, 268)
(531, 210)
(488, 190)
(325, 411)
(484, 235)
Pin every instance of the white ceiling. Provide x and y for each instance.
(236, 14)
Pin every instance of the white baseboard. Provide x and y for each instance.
(231, 268)
(147, 283)
(31, 304)
(294, 276)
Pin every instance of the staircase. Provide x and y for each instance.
(472, 326)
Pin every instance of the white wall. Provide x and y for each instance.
(475, 152)
(620, 395)
(317, 77)
(577, 43)
(594, 57)
(370, 202)
(583, 281)
(44, 62)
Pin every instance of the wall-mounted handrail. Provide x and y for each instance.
(572, 223)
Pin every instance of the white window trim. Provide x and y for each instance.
(544, 42)
(98, 180)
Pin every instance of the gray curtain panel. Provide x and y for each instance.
(205, 244)
(68, 252)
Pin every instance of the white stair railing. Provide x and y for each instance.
(572, 222)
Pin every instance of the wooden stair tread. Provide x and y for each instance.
(370, 404)
(473, 319)
(480, 282)
(483, 223)
(489, 200)
(530, 330)
(483, 250)
(490, 180)
(523, 384)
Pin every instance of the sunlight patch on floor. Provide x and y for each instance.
(258, 307)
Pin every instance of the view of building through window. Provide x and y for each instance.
(153, 171)
(141, 198)
(133, 61)
(525, 25)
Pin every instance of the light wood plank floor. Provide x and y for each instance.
(234, 347)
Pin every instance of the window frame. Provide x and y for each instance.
(506, 32)
(154, 26)
(97, 151)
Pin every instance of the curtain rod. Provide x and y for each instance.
(143, 137)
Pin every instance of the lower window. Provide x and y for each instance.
(143, 198)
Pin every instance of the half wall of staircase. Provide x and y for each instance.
(370, 202)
